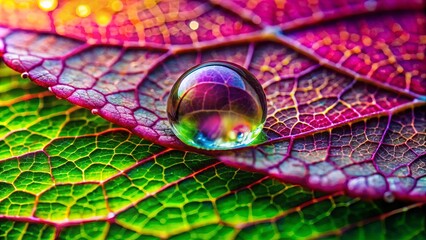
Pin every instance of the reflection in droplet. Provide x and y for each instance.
(217, 105)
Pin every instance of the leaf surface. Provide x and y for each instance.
(344, 82)
(93, 180)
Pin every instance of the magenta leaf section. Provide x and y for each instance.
(384, 48)
(345, 82)
(379, 157)
(153, 23)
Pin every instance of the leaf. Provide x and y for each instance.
(352, 75)
(92, 180)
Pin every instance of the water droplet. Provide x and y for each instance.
(83, 10)
(194, 25)
(94, 111)
(48, 5)
(370, 5)
(25, 75)
(16, 62)
(217, 106)
(389, 197)
(111, 215)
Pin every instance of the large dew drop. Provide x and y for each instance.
(217, 106)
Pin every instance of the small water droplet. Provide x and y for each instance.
(95, 111)
(389, 197)
(25, 75)
(217, 105)
(194, 25)
(370, 5)
(47, 5)
(49, 89)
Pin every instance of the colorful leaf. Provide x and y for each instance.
(352, 76)
(93, 180)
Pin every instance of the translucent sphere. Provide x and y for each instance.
(217, 106)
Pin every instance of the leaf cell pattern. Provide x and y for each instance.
(93, 180)
(329, 70)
